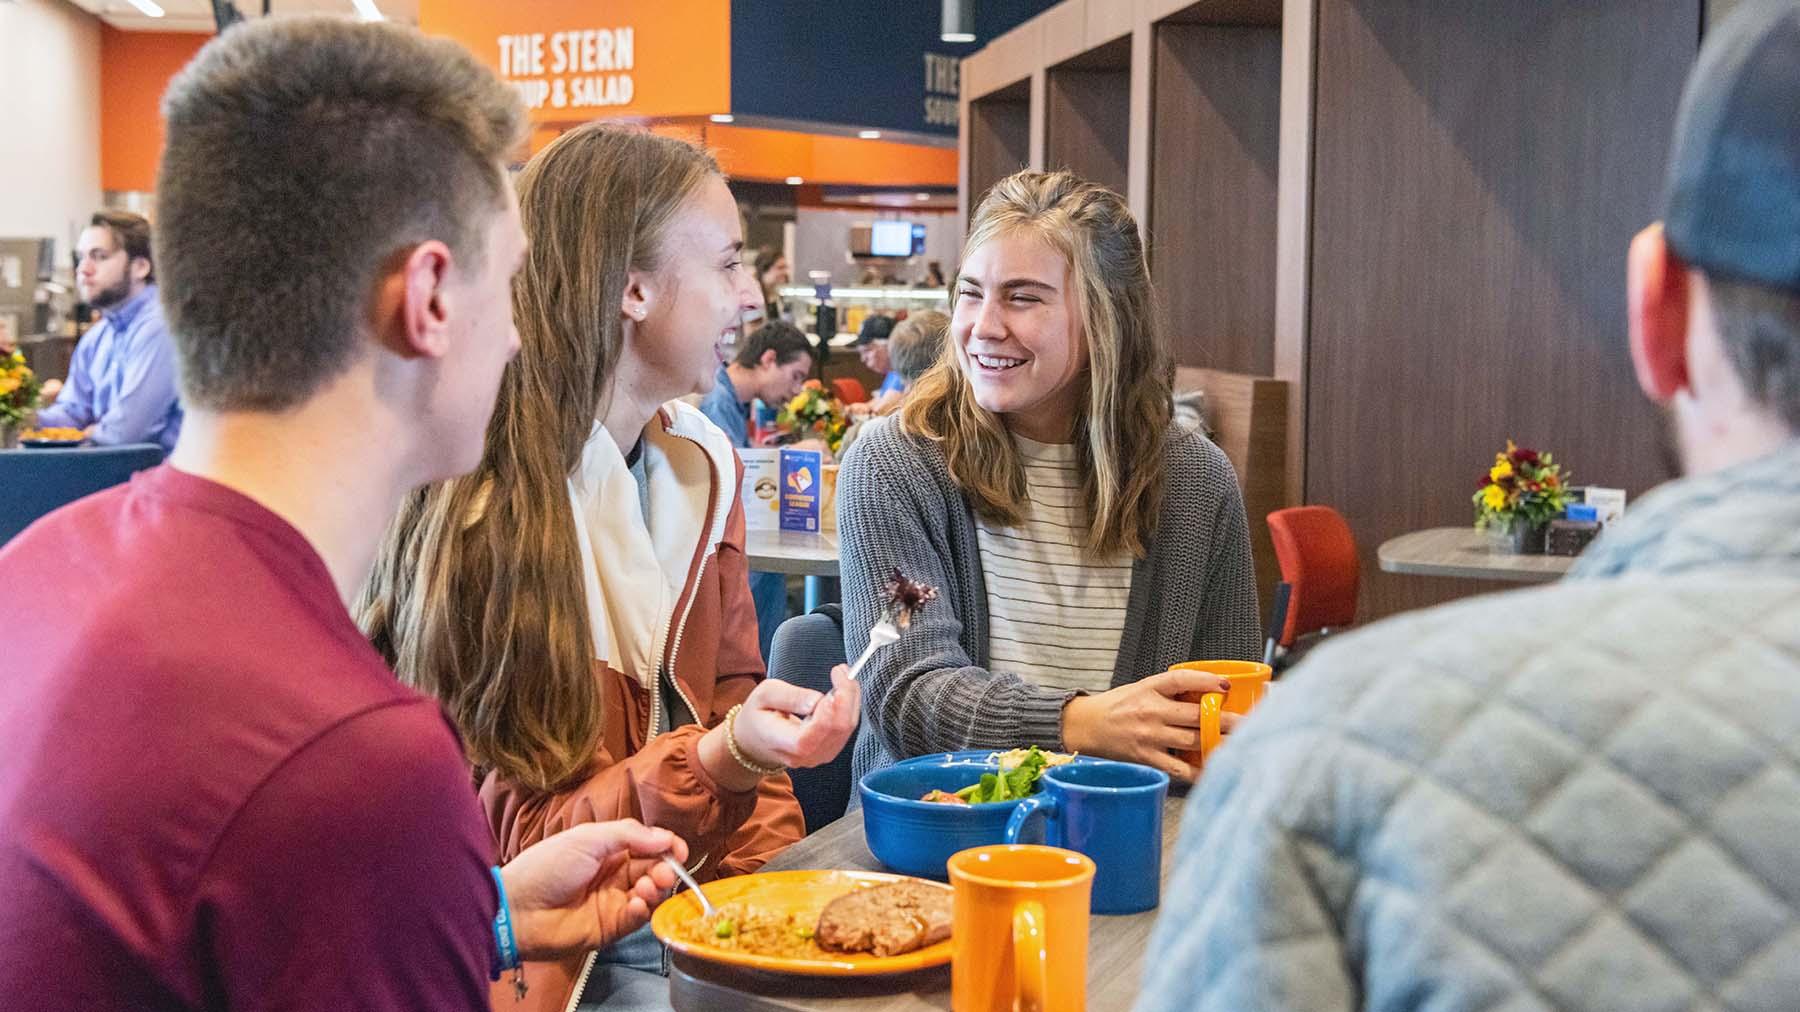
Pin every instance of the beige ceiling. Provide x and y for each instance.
(196, 15)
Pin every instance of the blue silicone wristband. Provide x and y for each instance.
(504, 943)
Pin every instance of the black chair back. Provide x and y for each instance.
(806, 648)
(1278, 614)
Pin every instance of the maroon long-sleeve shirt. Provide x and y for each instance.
(213, 794)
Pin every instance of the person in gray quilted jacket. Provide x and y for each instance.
(1583, 796)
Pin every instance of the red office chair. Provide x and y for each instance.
(850, 390)
(1320, 568)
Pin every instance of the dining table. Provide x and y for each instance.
(813, 555)
(1116, 947)
(1469, 554)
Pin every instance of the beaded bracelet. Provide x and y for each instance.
(731, 745)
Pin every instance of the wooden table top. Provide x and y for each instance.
(794, 552)
(1466, 552)
(1116, 947)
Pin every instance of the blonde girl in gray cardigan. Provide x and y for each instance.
(1082, 542)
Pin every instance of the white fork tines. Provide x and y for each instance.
(706, 906)
(883, 633)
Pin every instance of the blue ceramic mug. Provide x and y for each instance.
(1113, 813)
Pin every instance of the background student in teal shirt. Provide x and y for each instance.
(770, 367)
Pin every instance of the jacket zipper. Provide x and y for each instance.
(673, 648)
(587, 968)
(668, 667)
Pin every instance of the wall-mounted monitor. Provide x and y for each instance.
(891, 239)
(888, 238)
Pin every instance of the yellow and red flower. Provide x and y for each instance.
(814, 414)
(18, 389)
(1522, 485)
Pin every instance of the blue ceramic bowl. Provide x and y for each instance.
(916, 837)
(979, 756)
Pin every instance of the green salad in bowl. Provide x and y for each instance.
(1017, 778)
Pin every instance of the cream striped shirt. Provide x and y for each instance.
(1054, 616)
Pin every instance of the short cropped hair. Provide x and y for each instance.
(783, 337)
(131, 232)
(1760, 328)
(304, 157)
(916, 343)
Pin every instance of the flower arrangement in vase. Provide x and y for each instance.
(814, 414)
(1519, 496)
(18, 396)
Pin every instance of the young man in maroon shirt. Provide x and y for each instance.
(214, 794)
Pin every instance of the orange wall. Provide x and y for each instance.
(681, 52)
(774, 155)
(750, 153)
(135, 67)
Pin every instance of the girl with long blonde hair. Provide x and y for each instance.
(580, 602)
(1082, 542)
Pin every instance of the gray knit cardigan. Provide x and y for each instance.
(1192, 598)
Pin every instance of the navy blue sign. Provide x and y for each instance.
(877, 64)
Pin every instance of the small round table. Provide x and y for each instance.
(1466, 553)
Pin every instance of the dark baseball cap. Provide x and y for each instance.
(1732, 208)
(875, 328)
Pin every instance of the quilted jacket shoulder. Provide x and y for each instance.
(1583, 796)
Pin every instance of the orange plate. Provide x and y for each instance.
(782, 892)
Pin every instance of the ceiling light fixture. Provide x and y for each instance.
(365, 9)
(794, 180)
(721, 117)
(148, 8)
(921, 196)
(868, 135)
(958, 23)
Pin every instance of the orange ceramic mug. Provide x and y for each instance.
(1249, 681)
(1037, 897)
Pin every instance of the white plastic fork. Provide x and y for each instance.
(706, 907)
(883, 633)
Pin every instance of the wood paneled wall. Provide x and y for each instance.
(1086, 130)
(1479, 171)
(1247, 416)
(999, 138)
(1215, 131)
(1414, 212)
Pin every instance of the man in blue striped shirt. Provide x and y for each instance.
(121, 386)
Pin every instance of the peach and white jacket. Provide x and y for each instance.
(667, 593)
